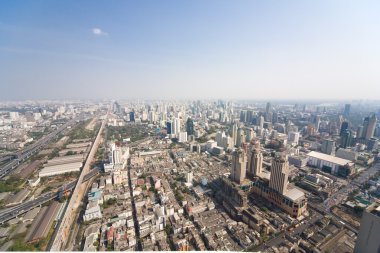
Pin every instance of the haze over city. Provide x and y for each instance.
(189, 49)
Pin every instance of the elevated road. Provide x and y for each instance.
(32, 149)
(27, 206)
(64, 227)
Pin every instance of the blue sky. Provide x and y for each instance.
(189, 49)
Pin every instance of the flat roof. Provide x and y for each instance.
(329, 158)
(294, 194)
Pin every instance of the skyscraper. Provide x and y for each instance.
(132, 116)
(190, 126)
(345, 138)
(371, 127)
(169, 127)
(343, 128)
(240, 138)
(279, 174)
(268, 108)
(260, 122)
(234, 133)
(243, 116)
(239, 165)
(328, 147)
(255, 163)
(176, 126)
(347, 109)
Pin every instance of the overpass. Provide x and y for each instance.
(64, 226)
(27, 206)
(32, 149)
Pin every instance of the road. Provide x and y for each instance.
(78, 193)
(25, 207)
(30, 150)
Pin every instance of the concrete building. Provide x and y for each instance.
(330, 164)
(92, 211)
(182, 137)
(293, 137)
(328, 147)
(239, 165)
(279, 174)
(368, 237)
(255, 163)
(347, 154)
(60, 169)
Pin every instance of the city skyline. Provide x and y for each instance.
(177, 50)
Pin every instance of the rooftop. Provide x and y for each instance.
(329, 158)
(294, 194)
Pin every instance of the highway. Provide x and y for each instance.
(25, 207)
(62, 234)
(30, 150)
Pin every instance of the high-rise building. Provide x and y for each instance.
(239, 165)
(260, 122)
(268, 108)
(255, 163)
(234, 133)
(182, 137)
(328, 147)
(240, 138)
(132, 116)
(190, 126)
(368, 237)
(243, 116)
(169, 127)
(176, 126)
(249, 116)
(347, 109)
(371, 127)
(293, 137)
(343, 128)
(345, 138)
(279, 174)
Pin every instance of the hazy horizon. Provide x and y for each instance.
(244, 50)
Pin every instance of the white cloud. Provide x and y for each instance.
(98, 32)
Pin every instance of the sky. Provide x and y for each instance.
(190, 49)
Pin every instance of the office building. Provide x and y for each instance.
(169, 127)
(368, 240)
(328, 147)
(279, 174)
(239, 165)
(240, 137)
(343, 128)
(234, 133)
(190, 126)
(243, 116)
(255, 163)
(132, 116)
(371, 126)
(176, 126)
(347, 109)
(260, 122)
(182, 137)
(345, 138)
(293, 137)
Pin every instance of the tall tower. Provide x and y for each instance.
(371, 127)
(347, 108)
(234, 133)
(239, 165)
(190, 126)
(255, 162)
(279, 174)
(240, 138)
